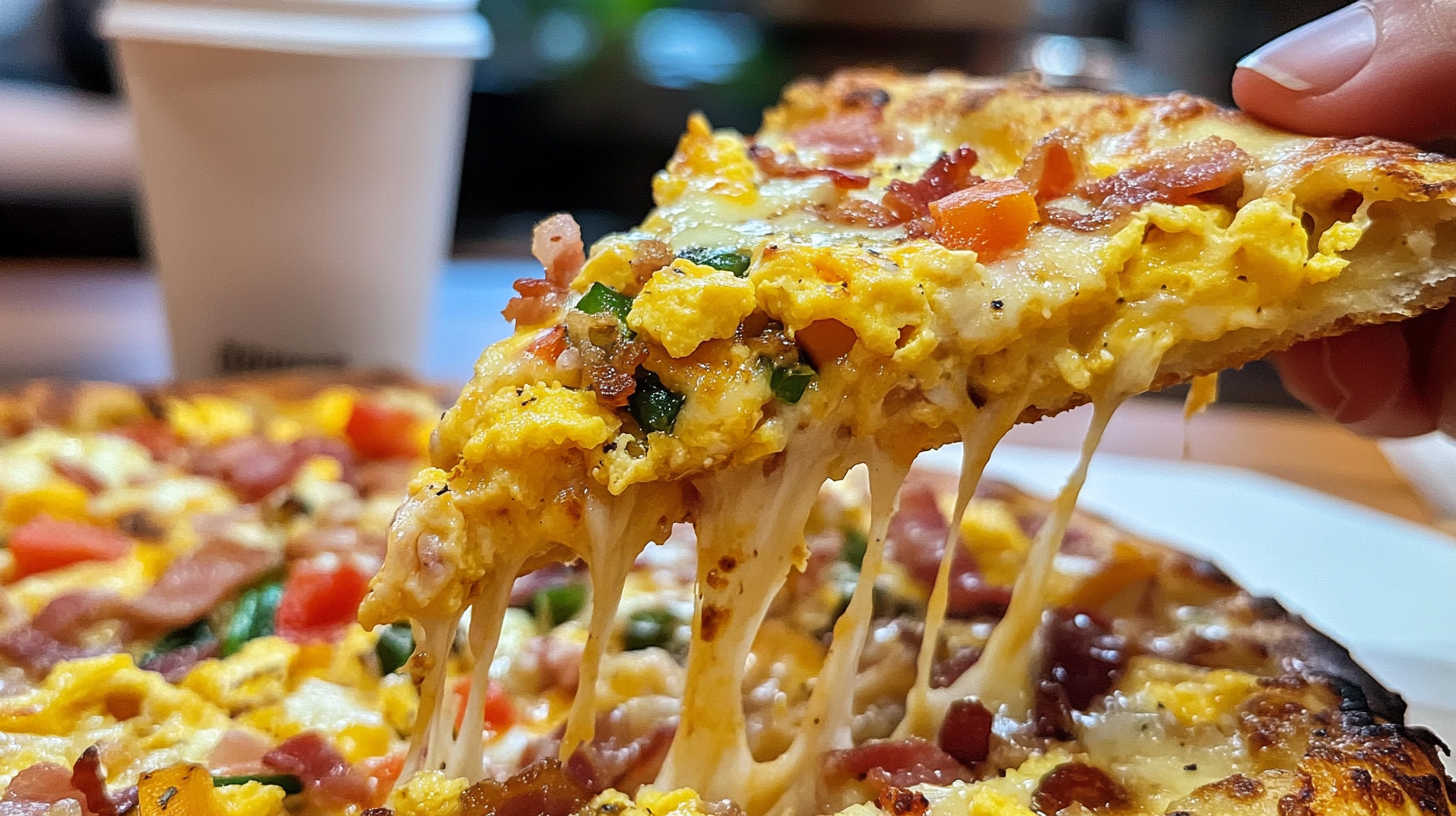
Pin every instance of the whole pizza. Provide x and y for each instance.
(668, 551)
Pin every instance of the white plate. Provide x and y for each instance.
(1382, 586)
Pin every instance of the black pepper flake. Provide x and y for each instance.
(998, 305)
(1192, 766)
(166, 797)
(1244, 278)
(1121, 301)
(442, 491)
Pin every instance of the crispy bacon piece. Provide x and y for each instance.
(609, 360)
(556, 243)
(69, 613)
(966, 732)
(325, 774)
(1079, 783)
(37, 653)
(1082, 659)
(192, 586)
(848, 139)
(902, 801)
(908, 202)
(788, 166)
(896, 763)
(88, 779)
(916, 540)
(543, 789)
(34, 790)
(1211, 170)
(616, 757)
(254, 466)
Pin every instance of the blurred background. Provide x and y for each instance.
(580, 101)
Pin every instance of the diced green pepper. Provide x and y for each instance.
(649, 627)
(727, 260)
(396, 644)
(559, 604)
(855, 544)
(602, 298)
(254, 616)
(788, 382)
(288, 782)
(654, 407)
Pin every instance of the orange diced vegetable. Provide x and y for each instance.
(499, 712)
(181, 790)
(379, 432)
(992, 217)
(43, 544)
(825, 341)
(317, 602)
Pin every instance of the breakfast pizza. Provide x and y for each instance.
(183, 569)
(668, 552)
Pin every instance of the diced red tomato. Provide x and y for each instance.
(43, 544)
(825, 340)
(379, 432)
(317, 602)
(499, 711)
(992, 217)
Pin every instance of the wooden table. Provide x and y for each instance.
(1291, 445)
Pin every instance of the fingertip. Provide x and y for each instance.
(1361, 380)
(1264, 99)
(1302, 369)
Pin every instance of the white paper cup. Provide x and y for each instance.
(299, 163)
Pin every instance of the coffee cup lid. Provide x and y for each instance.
(393, 28)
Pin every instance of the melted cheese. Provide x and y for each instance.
(532, 468)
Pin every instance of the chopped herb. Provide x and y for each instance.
(254, 616)
(788, 382)
(647, 628)
(601, 298)
(855, 544)
(559, 604)
(653, 406)
(727, 260)
(396, 644)
(288, 782)
(192, 635)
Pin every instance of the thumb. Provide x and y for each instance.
(1383, 67)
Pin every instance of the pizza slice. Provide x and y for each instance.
(891, 264)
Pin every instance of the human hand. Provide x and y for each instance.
(1384, 68)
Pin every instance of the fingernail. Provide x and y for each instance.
(1320, 56)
